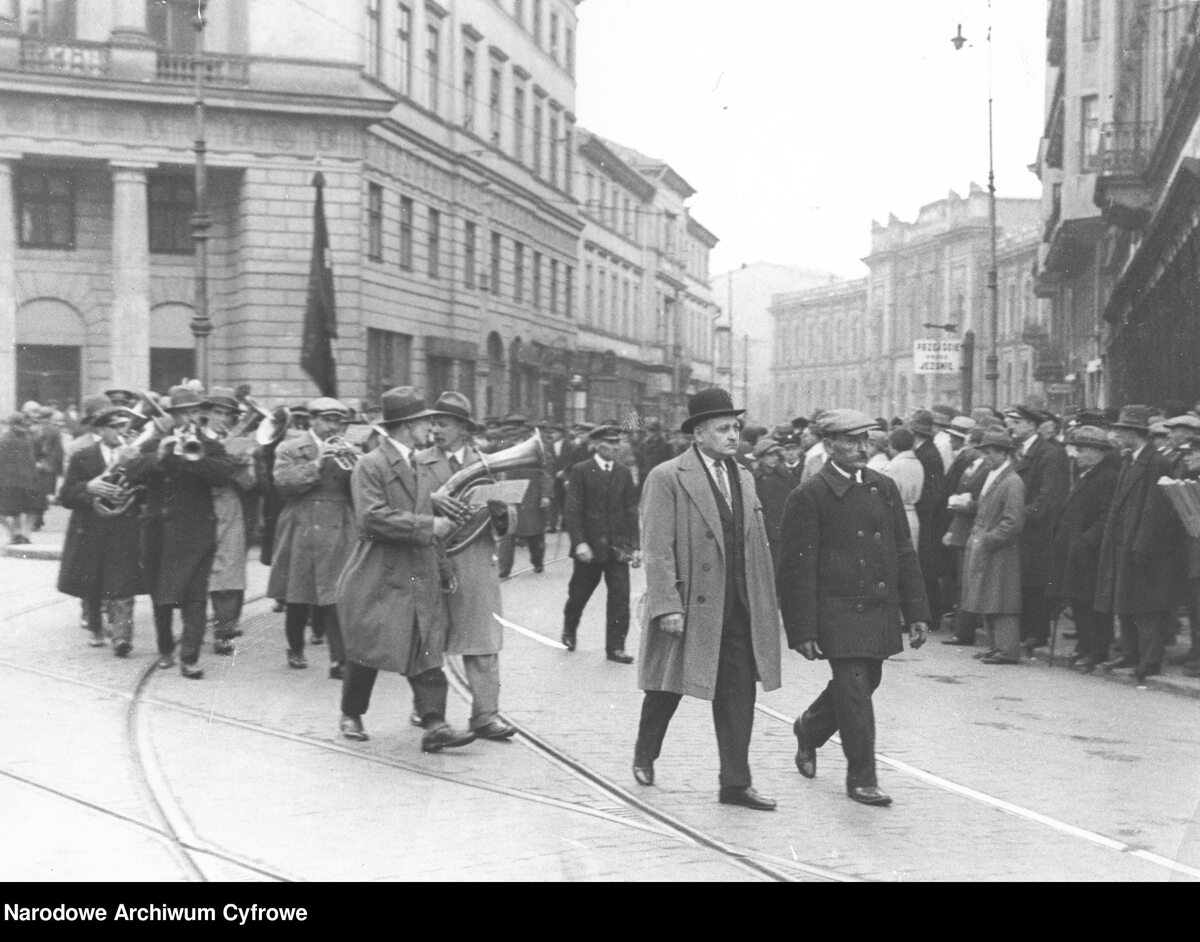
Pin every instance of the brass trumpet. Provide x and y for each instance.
(343, 453)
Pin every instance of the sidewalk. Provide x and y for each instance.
(47, 542)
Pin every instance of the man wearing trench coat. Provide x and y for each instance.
(710, 624)
(391, 602)
(848, 582)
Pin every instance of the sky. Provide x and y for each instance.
(800, 121)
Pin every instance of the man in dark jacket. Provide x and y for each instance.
(1043, 467)
(773, 485)
(928, 506)
(533, 514)
(1076, 554)
(850, 614)
(601, 518)
(1142, 554)
(653, 450)
(179, 527)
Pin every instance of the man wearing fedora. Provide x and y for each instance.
(391, 593)
(473, 631)
(710, 623)
(1184, 431)
(848, 581)
(1043, 467)
(179, 527)
(601, 520)
(314, 533)
(533, 513)
(1076, 552)
(991, 575)
(1143, 560)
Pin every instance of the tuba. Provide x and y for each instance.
(115, 474)
(523, 456)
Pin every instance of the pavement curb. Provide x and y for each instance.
(1180, 686)
(33, 551)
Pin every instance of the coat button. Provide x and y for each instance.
(709, 534)
(700, 599)
(861, 534)
(874, 490)
(862, 583)
(862, 562)
(706, 567)
(879, 536)
(860, 608)
(882, 586)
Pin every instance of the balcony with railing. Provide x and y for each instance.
(179, 68)
(1125, 148)
(65, 56)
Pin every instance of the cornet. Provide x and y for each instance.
(343, 453)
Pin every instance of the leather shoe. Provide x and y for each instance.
(620, 657)
(568, 641)
(644, 774)
(1001, 659)
(495, 730)
(97, 641)
(959, 642)
(352, 728)
(122, 648)
(445, 736)
(165, 661)
(868, 795)
(222, 646)
(746, 797)
(296, 661)
(337, 672)
(980, 655)
(191, 671)
(806, 755)
(415, 719)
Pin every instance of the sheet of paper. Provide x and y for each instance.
(511, 492)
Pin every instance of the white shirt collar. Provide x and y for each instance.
(993, 475)
(1028, 443)
(856, 477)
(405, 451)
(603, 465)
(1138, 451)
(460, 455)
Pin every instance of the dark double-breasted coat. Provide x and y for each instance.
(179, 524)
(474, 604)
(390, 600)
(1045, 471)
(602, 510)
(991, 576)
(848, 574)
(100, 554)
(773, 486)
(1080, 530)
(315, 530)
(1143, 553)
(685, 563)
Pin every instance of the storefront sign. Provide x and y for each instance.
(937, 356)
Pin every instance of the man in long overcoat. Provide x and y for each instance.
(179, 528)
(391, 601)
(533, 512)
(928, 506)
(848, 581)
(710, 624)
(473, 630)
(1046, 472)
(1077, 543)
(601, 520)
(992, 559)
(100, 562)
(1143, 553)
(772, 484)
(314, 533)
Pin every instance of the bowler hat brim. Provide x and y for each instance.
(693, 420)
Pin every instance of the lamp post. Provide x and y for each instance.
(201, 324)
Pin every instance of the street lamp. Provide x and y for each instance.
(201, 324)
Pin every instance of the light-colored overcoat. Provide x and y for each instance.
(315, 532)
(475, 602)
(390, 602)
(229, 565)
(991, 578)
(685, 560)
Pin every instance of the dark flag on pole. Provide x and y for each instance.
(320, 315)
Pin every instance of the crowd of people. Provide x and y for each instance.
(846, 530)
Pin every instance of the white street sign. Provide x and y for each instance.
(937, 356)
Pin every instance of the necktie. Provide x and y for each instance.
(455, 464)
(722, 484)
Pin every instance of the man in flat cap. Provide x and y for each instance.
(710, 625)
(601, 518)
(1043, 467)
(849, 614)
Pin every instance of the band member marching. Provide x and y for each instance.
(315, 531)
(473, 630)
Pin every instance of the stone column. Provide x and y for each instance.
(8, 291)
(129, 324)
(129, 23)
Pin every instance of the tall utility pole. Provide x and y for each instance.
(992, 366)
(201, 325)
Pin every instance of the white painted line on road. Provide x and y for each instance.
(549, 642)
(1010, 808)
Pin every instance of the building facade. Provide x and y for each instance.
(851, 344)
(444, 132)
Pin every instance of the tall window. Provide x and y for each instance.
(374, 222)
(601, 320)
(537, 22)
(46, 209)
(170, 23)
(433, 59)
(519, 124)
(406, 233)
(389, 362)
(553, 286)
(49, 19)
(518, 272)
(374, 39)
(569, 49)
(1091, 20)
(554, 150)
(537, 136)
(495, 285)
(569, 291)
(404, 48)
(614, 320)
(170, 203)
(1089, 117)
(469, 254)
(435, 243)
(495, 90)
(468, 88)
(536, 293)
(519, 12)
(554, 35)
